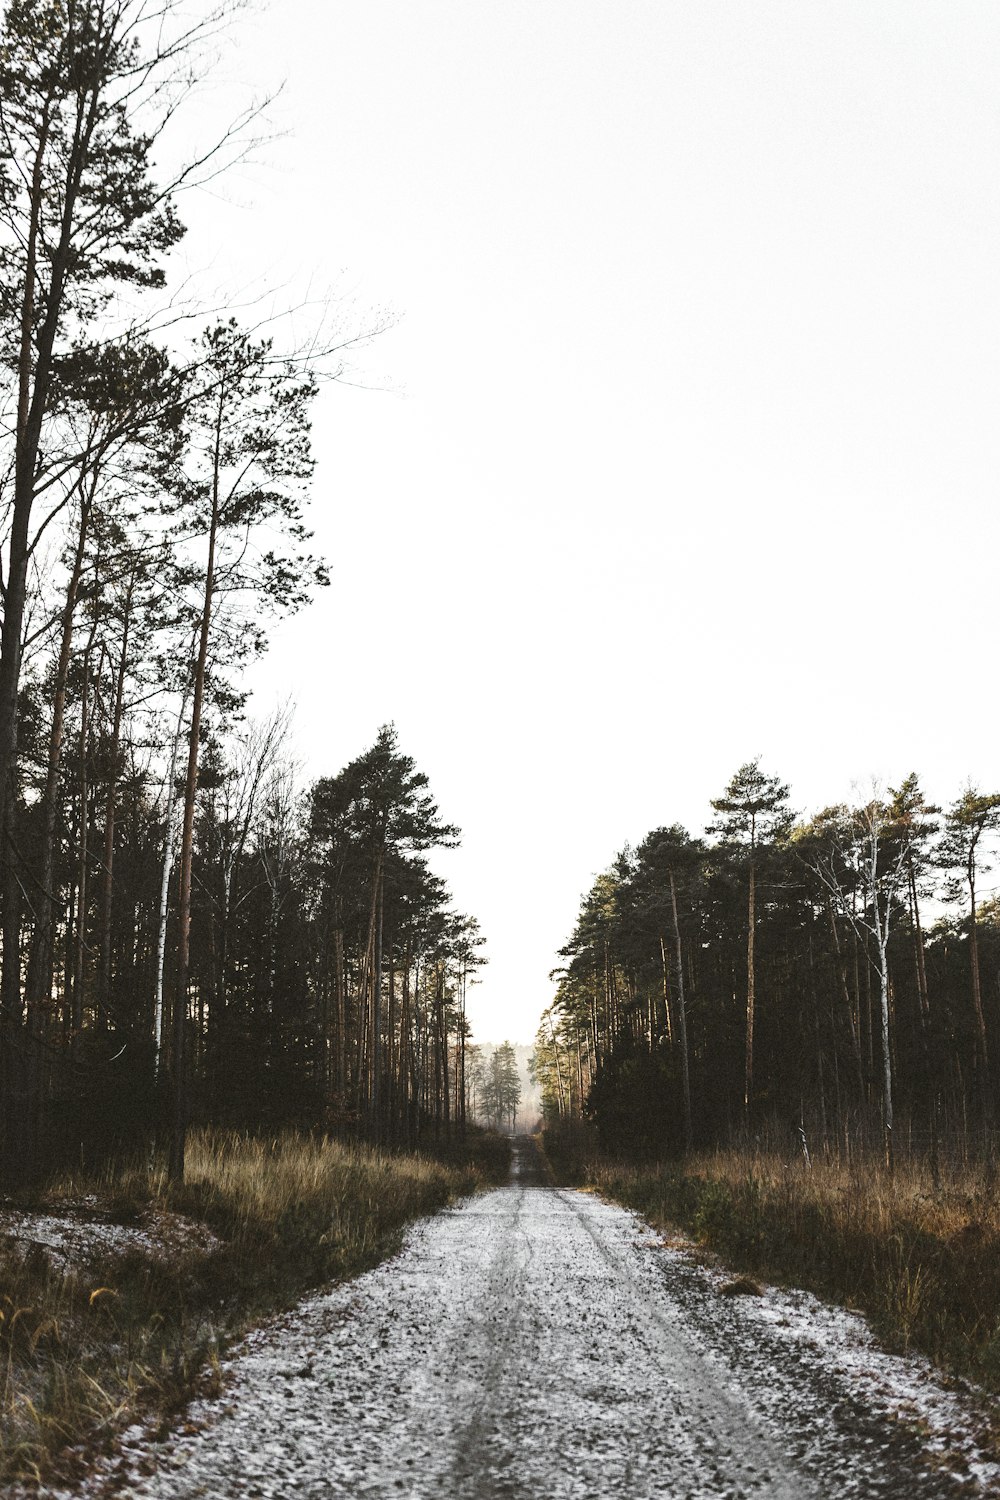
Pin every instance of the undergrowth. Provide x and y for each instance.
(923, 1262)
(85, 1349)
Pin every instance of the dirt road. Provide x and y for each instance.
(540, 1343)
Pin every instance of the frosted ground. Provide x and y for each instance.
(78, 1235)
(540, 1342)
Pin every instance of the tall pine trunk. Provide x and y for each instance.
(110, 802)
(179, 1110)
(983, 1055)
(751, 988)
(159, 1036)
(39, 979)
(681, 1019)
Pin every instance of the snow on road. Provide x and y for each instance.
(533, 1342)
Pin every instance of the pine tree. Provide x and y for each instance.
(80, 217)
(752, 811)
(968, 823)
(249, 462)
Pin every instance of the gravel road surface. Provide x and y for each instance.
(536, 1342)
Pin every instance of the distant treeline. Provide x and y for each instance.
(787, 974)
(494, 1085)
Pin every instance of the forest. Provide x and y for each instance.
(186, 933)
(821, 984)
(236, 1062)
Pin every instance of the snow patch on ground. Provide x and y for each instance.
(785, 1329)
(78, 1235)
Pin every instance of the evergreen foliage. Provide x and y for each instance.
(185, 935)
(871, 1025)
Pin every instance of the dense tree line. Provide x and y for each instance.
(393, 962)
(836, 978)
(180, 931)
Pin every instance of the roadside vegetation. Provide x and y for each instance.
(782, 1036)
(129, 1313)
(922, 1260)
(833, 978)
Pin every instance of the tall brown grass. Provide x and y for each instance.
(85, 1349)
(921, 1258)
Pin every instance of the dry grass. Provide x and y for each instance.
(923, 1261)
(84, 1348)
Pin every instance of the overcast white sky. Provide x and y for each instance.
(690, 451)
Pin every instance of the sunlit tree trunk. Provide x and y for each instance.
(682, 1019)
